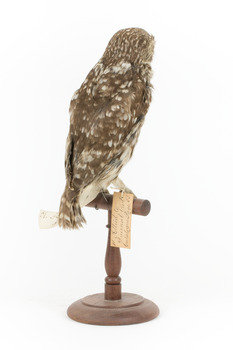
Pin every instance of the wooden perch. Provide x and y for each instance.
(140, 206)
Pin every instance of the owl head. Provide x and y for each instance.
(133, 45)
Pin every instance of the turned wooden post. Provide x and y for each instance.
(113, 268)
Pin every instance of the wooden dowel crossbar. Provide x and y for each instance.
(104, 201)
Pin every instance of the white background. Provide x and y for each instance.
(181, 256)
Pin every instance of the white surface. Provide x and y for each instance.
(183, 164)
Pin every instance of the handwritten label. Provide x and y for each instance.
(122, 207)
(48, 219)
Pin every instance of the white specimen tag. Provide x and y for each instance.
(48, 219)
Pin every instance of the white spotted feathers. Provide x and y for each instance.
(106, 115)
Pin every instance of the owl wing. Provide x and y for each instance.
(96, 145)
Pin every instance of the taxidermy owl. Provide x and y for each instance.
(106, 116)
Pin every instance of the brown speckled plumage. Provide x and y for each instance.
(106, 115)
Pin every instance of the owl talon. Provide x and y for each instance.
(105, 191)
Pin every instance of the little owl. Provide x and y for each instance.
(106, 116)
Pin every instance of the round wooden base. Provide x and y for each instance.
(130, 309)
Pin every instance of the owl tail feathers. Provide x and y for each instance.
(70, 213)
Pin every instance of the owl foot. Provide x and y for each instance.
(119, 184)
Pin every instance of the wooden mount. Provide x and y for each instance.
(113, 307)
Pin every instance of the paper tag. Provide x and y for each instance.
(48, 219)
(122, 206)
